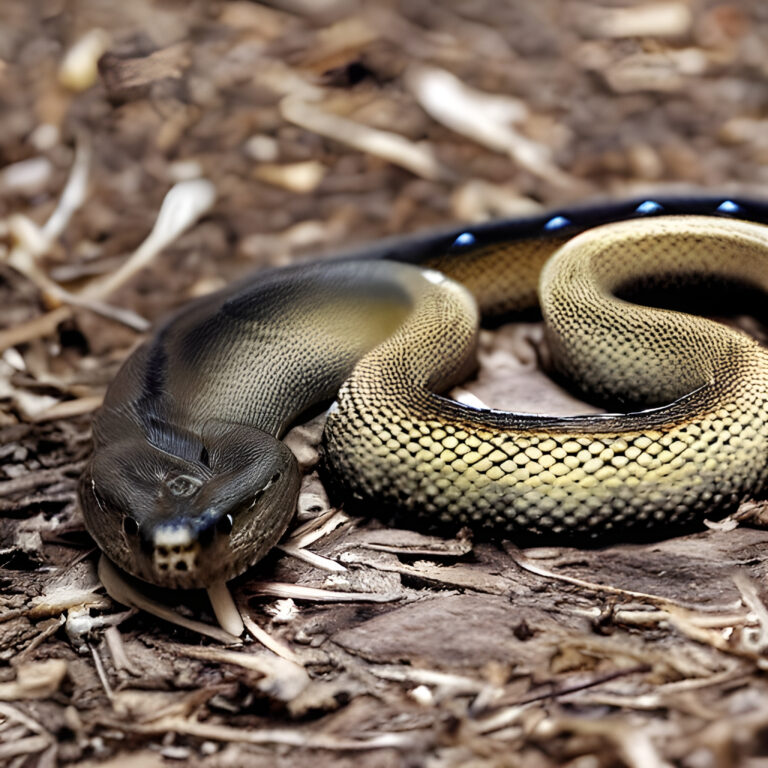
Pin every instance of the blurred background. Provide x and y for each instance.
(323, 123)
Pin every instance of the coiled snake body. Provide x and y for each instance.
(190, 484)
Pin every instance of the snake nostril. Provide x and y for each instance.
(205, 459)
(276, 477)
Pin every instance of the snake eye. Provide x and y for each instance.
(225, 524)
(130, 526)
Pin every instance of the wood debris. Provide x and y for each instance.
(245, 134)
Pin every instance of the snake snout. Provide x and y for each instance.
(182, 522)
(182, 554)
(172, 549)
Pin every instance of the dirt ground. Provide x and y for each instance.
(298, 127)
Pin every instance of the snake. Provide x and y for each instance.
(190, 482)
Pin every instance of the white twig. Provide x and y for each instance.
(74, 193)
(298, 592)
(262, 636)
(225, 609)
(183, 205)
(483, 117)
(123, 592)
(313, 559)
(417, 158)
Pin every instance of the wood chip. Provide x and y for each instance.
(417, 158)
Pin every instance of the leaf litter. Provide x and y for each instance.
(243, 134)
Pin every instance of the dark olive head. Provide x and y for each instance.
(187, 522)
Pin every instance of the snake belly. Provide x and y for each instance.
(190, 483)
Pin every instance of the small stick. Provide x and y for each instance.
(315, 560)
(123, 592)
(263, 637)
(225, 609)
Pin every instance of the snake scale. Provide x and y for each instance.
(190, 484)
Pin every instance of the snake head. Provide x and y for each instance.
(192, 517)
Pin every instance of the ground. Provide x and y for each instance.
(319, 125)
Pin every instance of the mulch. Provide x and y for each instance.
(319, 125)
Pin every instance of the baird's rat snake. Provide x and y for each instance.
(190, 484)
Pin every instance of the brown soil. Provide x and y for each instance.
(454, 654)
